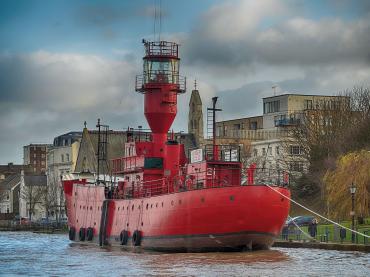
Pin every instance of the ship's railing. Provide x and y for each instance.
(161, 48)
(214, 178)
(160, 77)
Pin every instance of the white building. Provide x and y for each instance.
(9, 190)
(270, 146)
(33, 196)
(61, 160)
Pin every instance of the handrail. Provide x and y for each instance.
(207, 179)
(160, 77)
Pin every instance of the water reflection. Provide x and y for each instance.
(40, 255)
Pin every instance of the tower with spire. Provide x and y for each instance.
(195, 118)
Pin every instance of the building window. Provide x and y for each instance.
(296, 166)
(7, 196)
(225, 130)
(62, 157)
(67, 157)
(271, 107)
(255, 152)
(263, 151)
(277, 150)
(42, 162)
(295, 150)
(253, 125)
(308, 104)
(269, 150)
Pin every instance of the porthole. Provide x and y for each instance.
(74, 205)
(77, 220)
(90, 208)
(132, 207)
(151, 206)
(156, 205)
(127, 224)
(94, 223)
(147, 206)
(118, 208)
(142, 223)
(162, 204)
(123, 208)
(80, 207)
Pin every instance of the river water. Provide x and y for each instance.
(29, 254)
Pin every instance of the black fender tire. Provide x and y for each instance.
(123, 237)
(89, 234)
(72, 233)
(136, 238)
(82, 234)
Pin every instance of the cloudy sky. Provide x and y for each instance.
(64, 62)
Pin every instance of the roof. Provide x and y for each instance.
(298, 94)
(35, 180)
(10, 182)
(11, 168)
(242, 118)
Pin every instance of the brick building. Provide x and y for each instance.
(35, 156)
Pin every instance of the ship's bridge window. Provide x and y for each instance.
(153, 163)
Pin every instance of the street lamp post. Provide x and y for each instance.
(352, 189)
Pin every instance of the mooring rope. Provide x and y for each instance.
(315, 213)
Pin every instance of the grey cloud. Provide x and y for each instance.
(44, 94)
(294, 41)
(105, 14)
(102, 14)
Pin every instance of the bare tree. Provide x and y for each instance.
(34, 195)
(329, 130)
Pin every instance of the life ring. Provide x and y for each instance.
(123, 237)
(90, 234)
(72, 233)
(82, 234)
(136, 238)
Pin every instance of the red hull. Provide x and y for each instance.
(228, 218)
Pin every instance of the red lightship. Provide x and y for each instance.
(165, 202)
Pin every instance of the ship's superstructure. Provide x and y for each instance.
(163, 199)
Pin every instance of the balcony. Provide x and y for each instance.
(254, 135)
(161, 48)
(157, 77)
(287, 122)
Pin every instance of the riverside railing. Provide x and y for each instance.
(327, 233)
